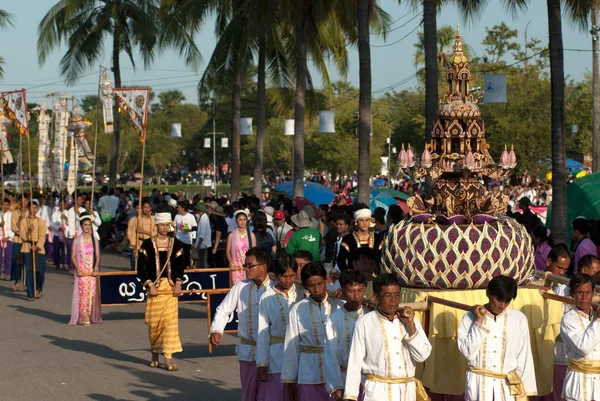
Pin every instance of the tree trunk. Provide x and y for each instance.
(116, 145)
(431, 66)
(236, 105)
(595, 93)
(557, 83)
(364, 119)
(262, 121)
(299, 108)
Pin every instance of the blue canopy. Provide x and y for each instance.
(316, 193)
(573, 164)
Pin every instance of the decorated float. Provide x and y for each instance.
(458, 238)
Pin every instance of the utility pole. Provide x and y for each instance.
(595, 91)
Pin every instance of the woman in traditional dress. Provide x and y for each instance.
(361, 237)
(85, 308)
(160, 269)
(238, 242)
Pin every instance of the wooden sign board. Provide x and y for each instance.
(124, 288)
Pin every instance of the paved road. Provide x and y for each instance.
(44, 359)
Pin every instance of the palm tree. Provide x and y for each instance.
(584, 14)
(169, 99)
(84, 25)
(5, 22)
(329, 27)
(557, 84)
(446, 36)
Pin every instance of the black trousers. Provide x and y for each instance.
(186, 255)
(218, 260)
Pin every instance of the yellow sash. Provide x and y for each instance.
(514, 381)
(586, 366)
(277, 340)
(312, 349)
(247, 342)
(420, 390)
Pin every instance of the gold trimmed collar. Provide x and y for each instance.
(383, 317)
(583, 314)
(324, 301)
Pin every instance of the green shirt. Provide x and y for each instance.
(305, 239)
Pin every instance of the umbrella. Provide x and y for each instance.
(582, 200)
(392, 192)
(573, 164)
(382, 200)
(379, 182)
(316, 193)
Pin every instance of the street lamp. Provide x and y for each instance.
(389, 141)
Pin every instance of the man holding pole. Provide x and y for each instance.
(580, 330)
(386, 346)
(33, 232)
(557, 263)
(495, 340)
(17, 262)
(339, 330)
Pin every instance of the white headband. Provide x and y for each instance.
(359, 214)
(85, 217)
(160, 218)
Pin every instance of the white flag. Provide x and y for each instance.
(494, 88)
(245, 126)
(73, 164)
(224, 142)
(134, 102)
(61, 121)
(206, 143)
(176, 130)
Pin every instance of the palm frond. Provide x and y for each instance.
(5, 19)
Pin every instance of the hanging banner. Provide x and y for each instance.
(72, 177)
(59, 153)
(77, 126)
(176, 130)
(106, 87)
(245, 126)
(327, 121)
(7, 157)
(43, 148)
(289, 128)
(15, 105)
(206, 143)
(494, 88)
(134, 102)
(224, 142)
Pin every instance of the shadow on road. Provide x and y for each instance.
(55, 317)
(96, 349)
(172, 386)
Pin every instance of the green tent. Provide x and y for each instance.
(583, 199)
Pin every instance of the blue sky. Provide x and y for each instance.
(390, 64)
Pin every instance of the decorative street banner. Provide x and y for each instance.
(245, 126)
(43, 147)
(134, 102)
(224, 142)
(106, 87)
(124, 288)
(15, 103)
(494, 88)
(176, 130)
(206, 143)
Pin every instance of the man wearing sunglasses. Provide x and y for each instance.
(243, 298)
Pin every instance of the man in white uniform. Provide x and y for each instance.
(340, 328)
(558, 262)
(495, 340)
(243, 298)
(580, 331)
(303, 358)
(273, 311)
(385, 348)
